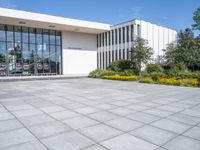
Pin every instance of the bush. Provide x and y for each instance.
(128, 72)
(99, 73)
(120, 65)
(144, 73)
(154, 68)
(189, 82)
(177, 71)
(178, 67)
(123, 78)
(182, 74)
(168, 81)
(156, 75)
(146, 80)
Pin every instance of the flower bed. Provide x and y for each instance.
(123, 78)
(168, 81)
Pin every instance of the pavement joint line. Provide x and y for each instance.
(68, 131)
(27, 129)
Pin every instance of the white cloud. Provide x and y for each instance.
(7, 3)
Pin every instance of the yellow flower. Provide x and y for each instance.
(118, 77)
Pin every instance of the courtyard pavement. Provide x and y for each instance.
(92, 114)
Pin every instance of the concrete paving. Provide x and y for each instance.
(93, 114)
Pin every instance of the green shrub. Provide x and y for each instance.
(182, 74)
(154, 68)
(177, 71)
(128, 72)
(178, 67)
(120, 65)
(99, 73)
(144, 73)
(146, 80)
(156, 75)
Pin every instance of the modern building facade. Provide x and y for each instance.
(116, 43)
(38, 44)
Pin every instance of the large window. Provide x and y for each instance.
(127, 33)
(120, 36)
(123, 34)
(132, 33)
(27, 51)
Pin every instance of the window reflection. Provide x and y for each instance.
(28, 51)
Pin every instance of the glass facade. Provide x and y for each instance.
(29, 51)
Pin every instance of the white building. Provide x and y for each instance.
(38, 44)
(116, 43)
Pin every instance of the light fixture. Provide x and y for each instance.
(22, 22)
(51, 26)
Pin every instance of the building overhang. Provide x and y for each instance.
(29, 19)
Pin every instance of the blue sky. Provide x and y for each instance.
(176, 14)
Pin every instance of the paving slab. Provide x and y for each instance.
(143, 117)
(100, 132)
(172, 126)
(14, 137)
(183, 143)
(128, 142)
(193, 133)
(70, 140)
(80, 122)
(33, 145)
(124, 124)
(7, 125)
(154, 135)
(48, 129)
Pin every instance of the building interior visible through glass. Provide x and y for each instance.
(29, 51)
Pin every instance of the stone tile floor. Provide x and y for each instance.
(92, 114)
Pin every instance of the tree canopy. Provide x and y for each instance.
(185, 51)
(140, 53)
(196, 18)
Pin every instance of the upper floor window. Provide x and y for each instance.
(132, 33)
(109, 38)
(112, 37)
(106, 38)
(120, 36)
(115, 36)
(127, 33)
(123, 34)
(138, 30)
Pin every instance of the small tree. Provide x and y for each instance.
(196, 18)
(140, 53)
(186, 51)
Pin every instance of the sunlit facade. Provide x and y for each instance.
(39, 44)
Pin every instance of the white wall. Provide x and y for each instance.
(158, 37)
(79, 53)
